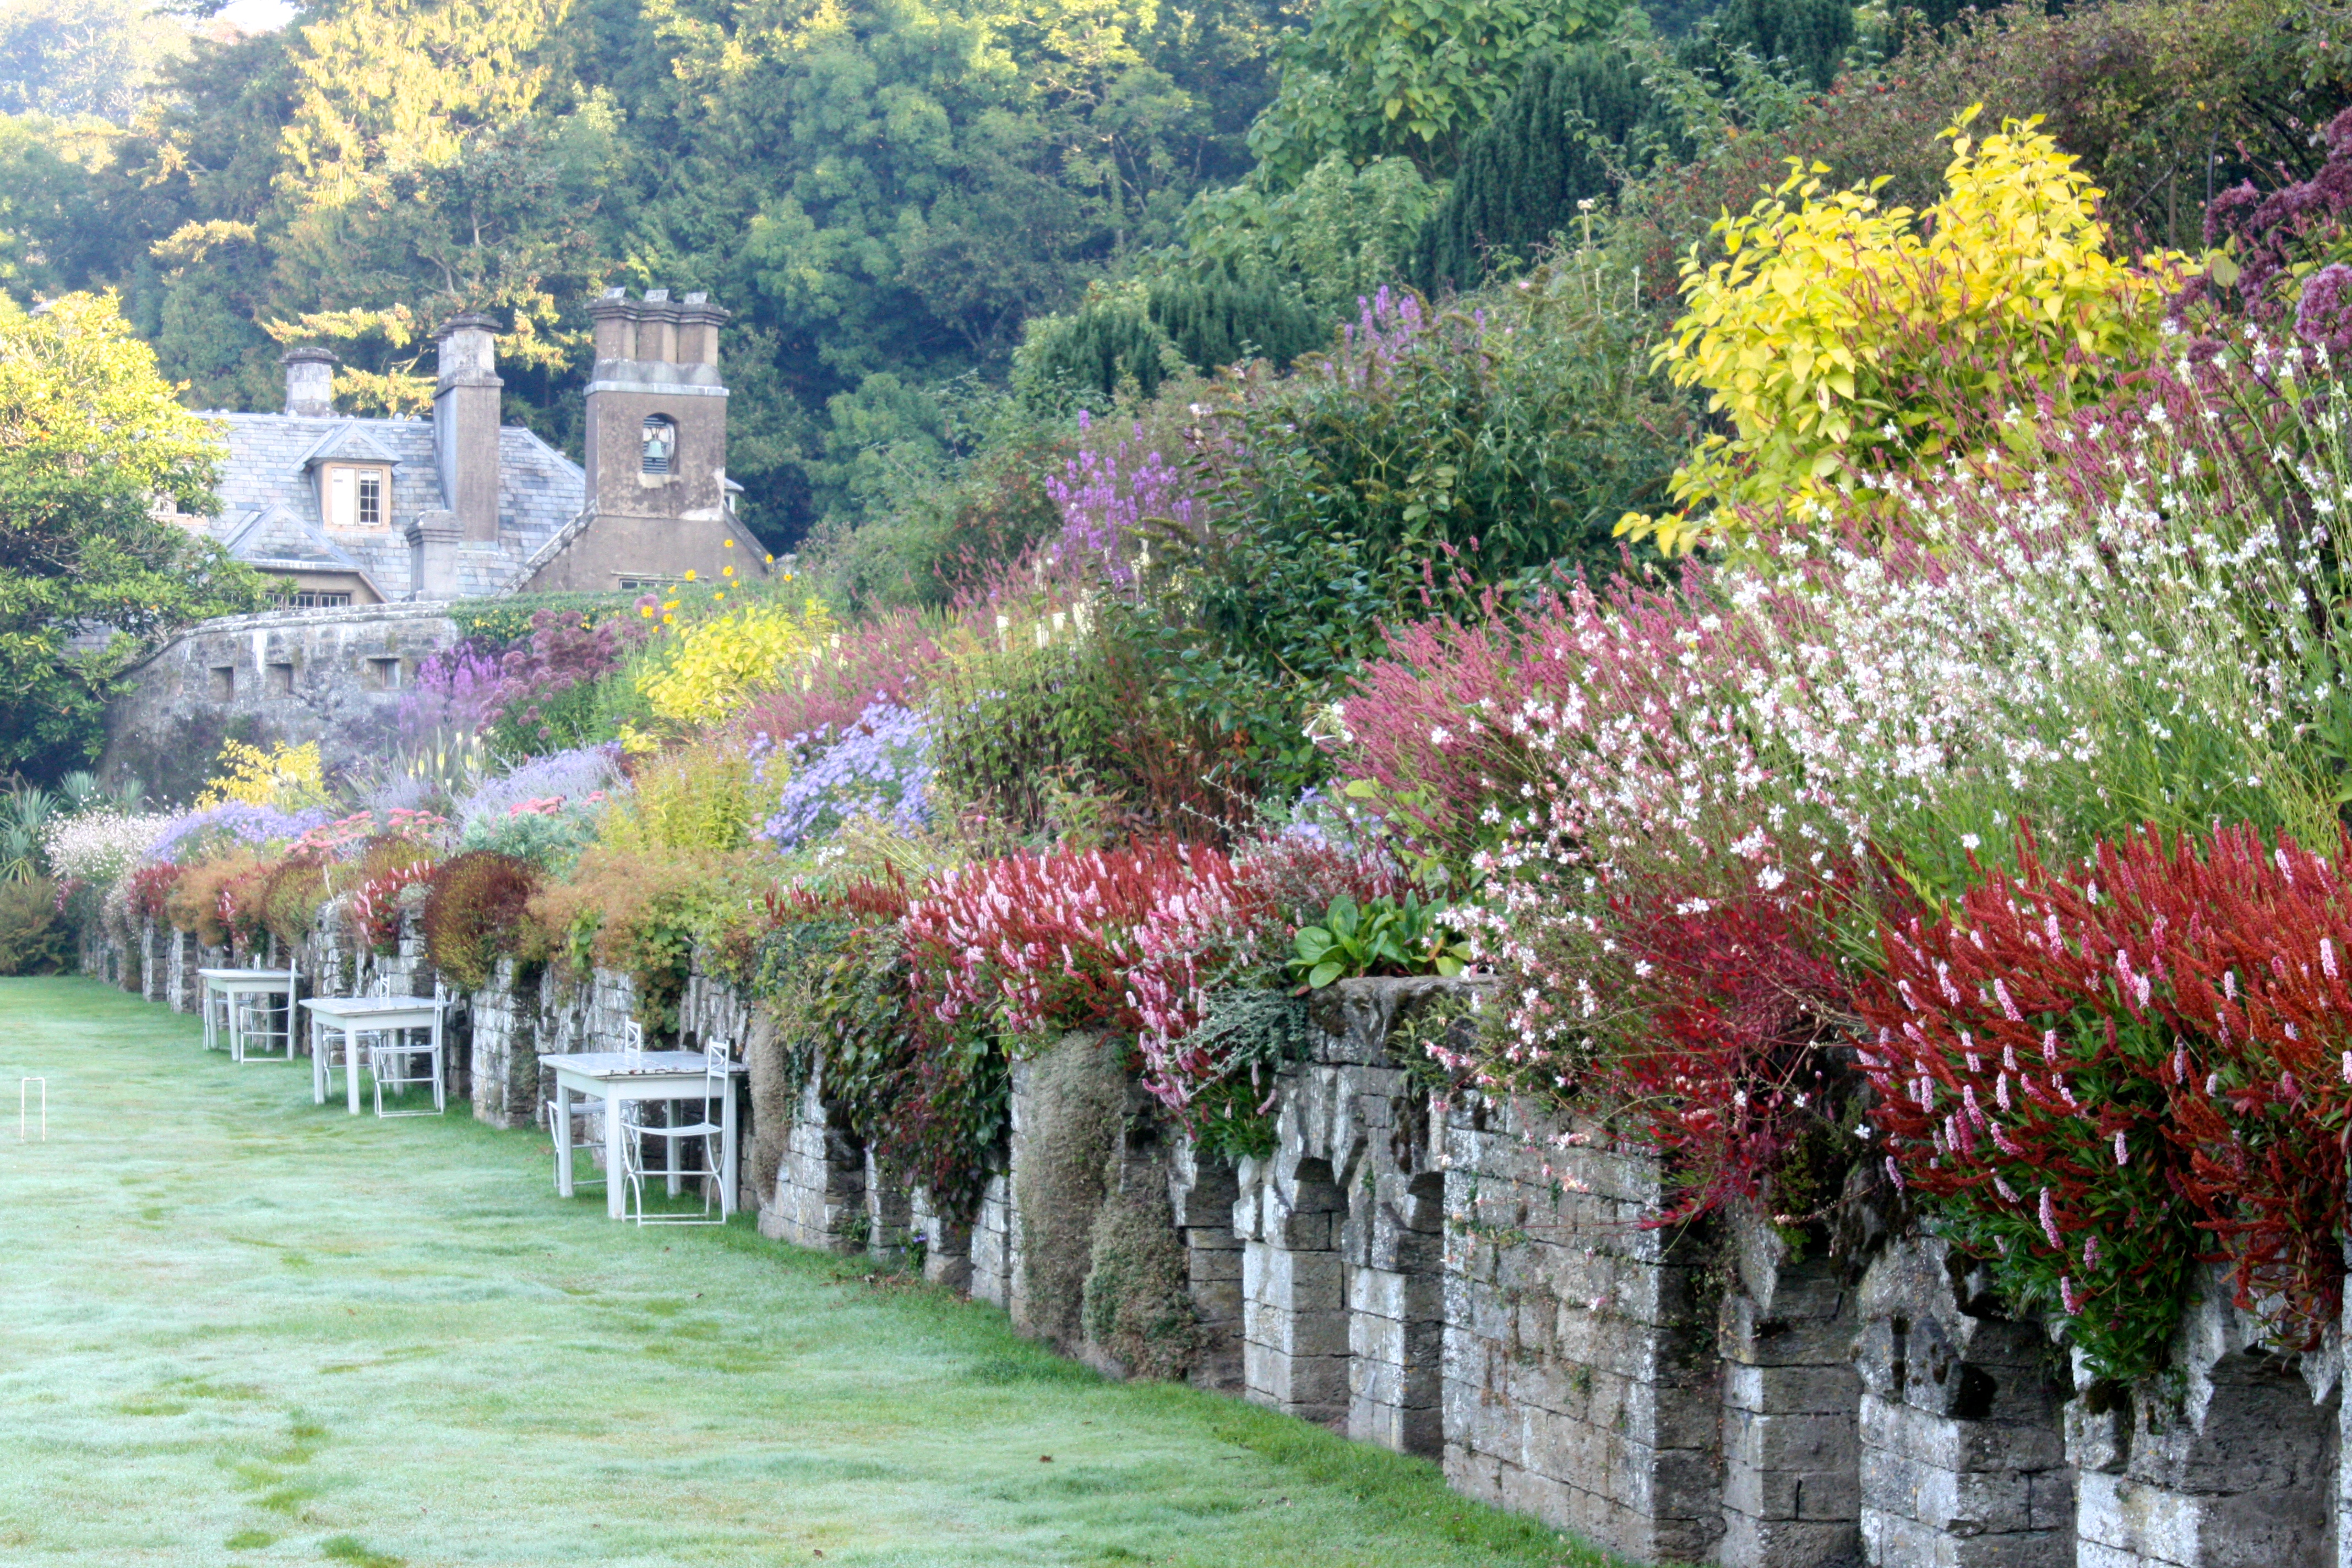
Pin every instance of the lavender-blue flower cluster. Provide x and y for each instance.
(237, 821)
(574, 775)
(880, 767)
(1105, 497)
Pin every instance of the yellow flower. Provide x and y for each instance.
(772, 559)
(668, 619)
(730, 544)
(729, 571)
(716, 597)
(646, 611)
(671, 606)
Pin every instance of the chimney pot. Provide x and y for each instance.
(310, 382)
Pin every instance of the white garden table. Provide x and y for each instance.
(347, 1017)
(614, 1076)
(227, 986)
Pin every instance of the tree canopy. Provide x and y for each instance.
(91, 438)
(873, 187)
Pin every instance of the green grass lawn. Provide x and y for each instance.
(235, 1327)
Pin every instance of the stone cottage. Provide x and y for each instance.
(354, 511)
(375, 525)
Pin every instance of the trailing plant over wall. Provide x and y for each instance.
(1038, 945)
(470, 916)
(2091, 1074)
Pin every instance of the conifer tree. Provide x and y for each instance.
(1524, 172)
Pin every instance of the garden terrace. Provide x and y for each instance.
(1735, 930)
(240, 1333)
(1466, 1277)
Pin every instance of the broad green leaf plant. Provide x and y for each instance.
(1381, 936)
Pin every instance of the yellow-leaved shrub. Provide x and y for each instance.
(286, 777)
(1845, 344)
(704, 798)
(708, 669)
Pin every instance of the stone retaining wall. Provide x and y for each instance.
(1474, 1280)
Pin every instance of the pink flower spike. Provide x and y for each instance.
(2050, 1222)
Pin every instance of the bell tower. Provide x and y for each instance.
(659, 501)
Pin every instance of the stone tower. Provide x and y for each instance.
(659, 496)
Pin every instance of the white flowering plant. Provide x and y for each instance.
(101, 846)
(1762, 761)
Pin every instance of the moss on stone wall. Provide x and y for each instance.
(1137, 1304)
(1071, 1118)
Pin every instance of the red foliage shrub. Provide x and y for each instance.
(151, 886)
(2081, 1071)
(477, 902)
(1726, 1075)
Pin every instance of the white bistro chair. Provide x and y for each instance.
(394, 1057)
(584, 1122)
(700, 1120)
(259, 1022)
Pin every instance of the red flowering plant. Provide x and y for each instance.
(1727, 1073)
(388, 867)
(2092, 1079)
(1204, 974)
(150, 887)
(1039, 943)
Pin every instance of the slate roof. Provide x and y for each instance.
(269, 499)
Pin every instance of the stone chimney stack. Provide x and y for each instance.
(465, 424)
(310, 382)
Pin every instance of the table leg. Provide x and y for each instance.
(351, 1065)
(615, 1186)
(727, 1153)
(562, 1130)
(318, 1065)
(671, 1111)
(211, 1033)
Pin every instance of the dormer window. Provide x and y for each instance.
(661, 445)
(357, 497)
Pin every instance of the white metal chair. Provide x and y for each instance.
(581, 1120)
(709, 1128)
(257, 1019)
(582, 1125)
(392, 1056)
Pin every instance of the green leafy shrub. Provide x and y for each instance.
(1536, 170)
(1128, 338)
(1434, 454)
(1336, 236)
(501, 622)
(550, 840)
